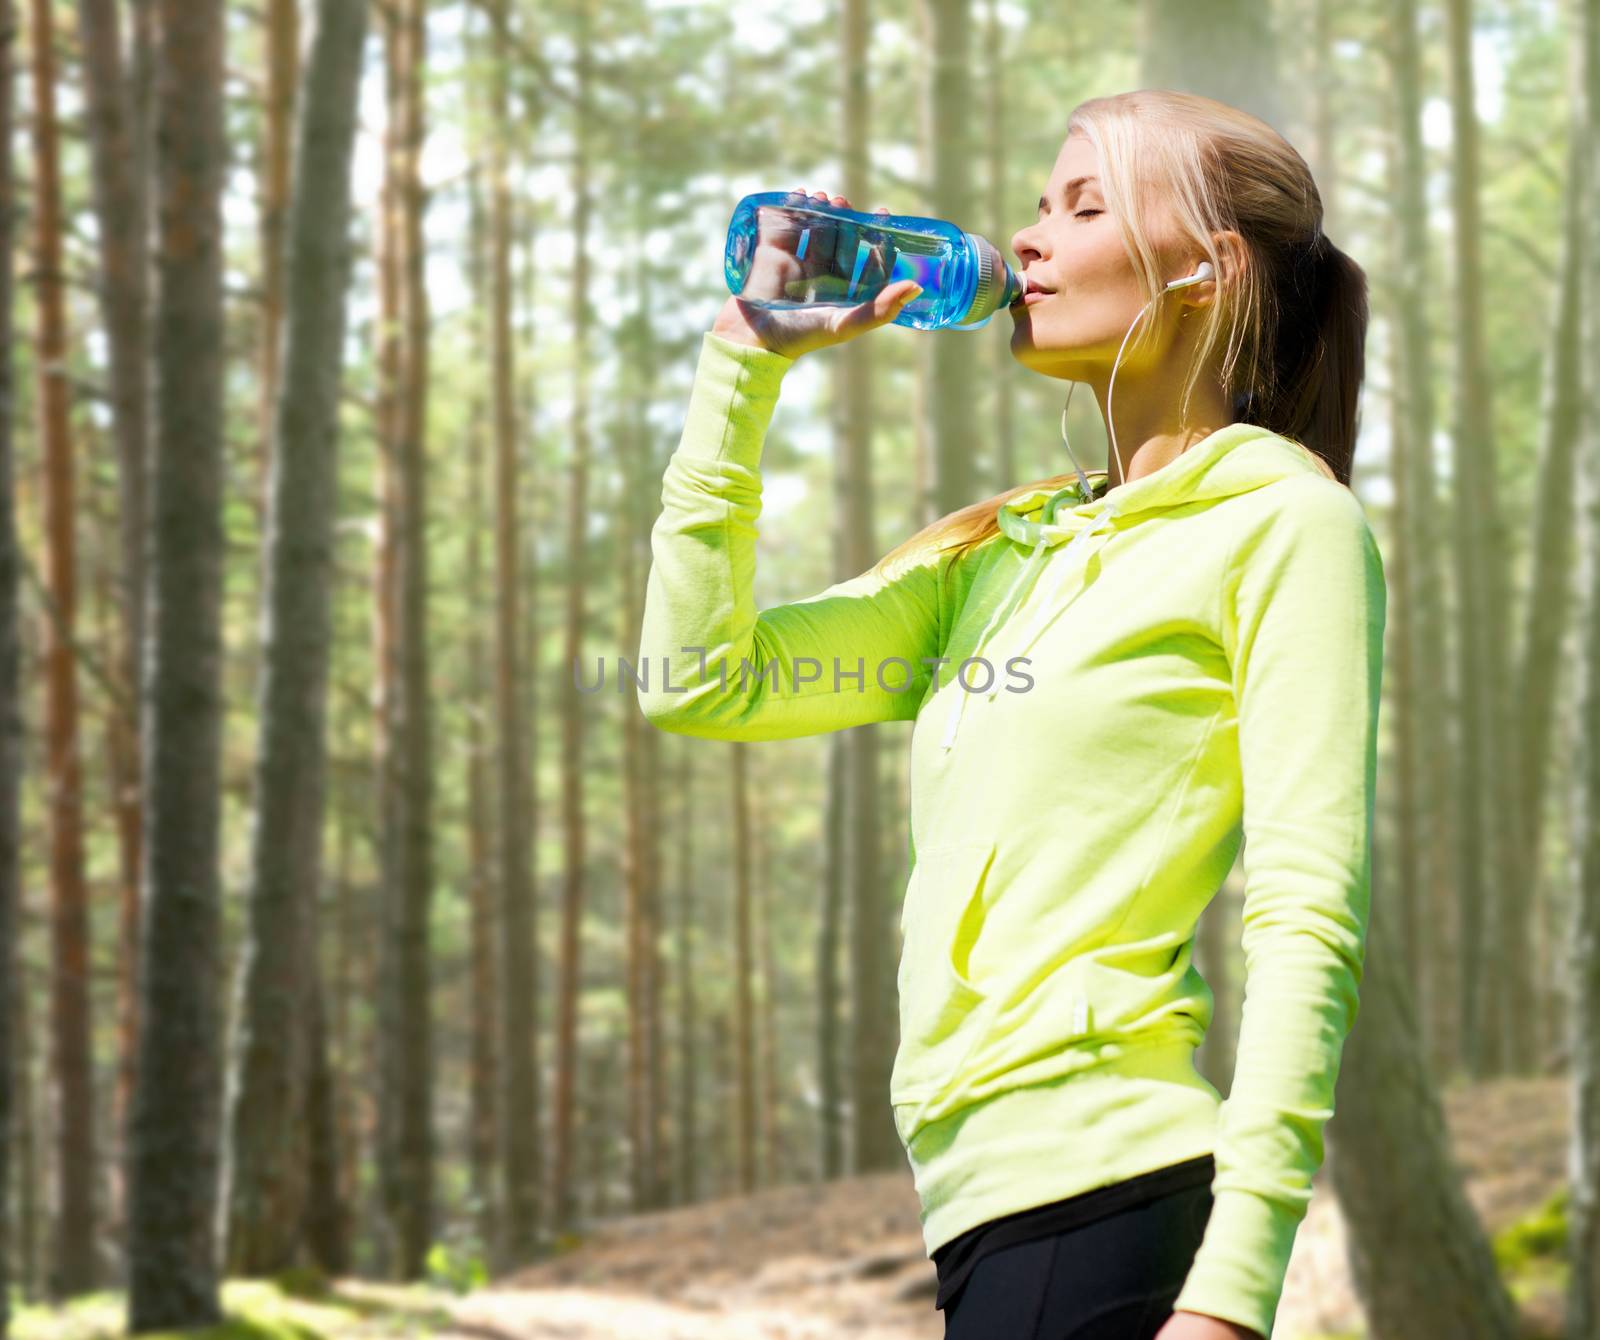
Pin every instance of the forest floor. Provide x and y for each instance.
(846, 1259)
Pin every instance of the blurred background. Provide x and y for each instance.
(367, 972)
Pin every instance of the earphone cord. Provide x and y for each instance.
(1111, 390)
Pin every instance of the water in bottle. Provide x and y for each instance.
(787, 250)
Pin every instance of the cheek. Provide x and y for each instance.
(1098, 254)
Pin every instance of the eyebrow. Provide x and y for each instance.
(1070, 187)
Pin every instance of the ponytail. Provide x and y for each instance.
(1311, 359)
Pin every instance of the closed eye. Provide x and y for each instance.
(1082, 213)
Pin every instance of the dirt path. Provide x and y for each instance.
(798, 1263)
(803, 1263)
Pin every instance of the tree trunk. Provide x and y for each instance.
(406, 1036)
(519, 1032)
(647, 1103)
(116, 115)
(282, 40)
(72, 1061)
(688, 1176)
(832, 1150)
(1421, 1260)
(946, 122)
(641, 1153)
(659, 1191)
(771, 1091)
(1495, 988)
(997, 64)
(1225, 49)
(172, 1269)
(1583, 1159)
(264, 1166)
(1547, 617)
(532, 501)
(383, 1103)
(743, 992)
(326, 1227)
(1426, 864)
(482, 885)
(11, 996)
(872, 990)
(572, 713)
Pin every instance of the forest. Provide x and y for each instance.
(370, 964)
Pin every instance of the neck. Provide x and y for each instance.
(1149, 433)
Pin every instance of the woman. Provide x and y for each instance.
(1139, 678)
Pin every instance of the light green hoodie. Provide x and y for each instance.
(1203, 654)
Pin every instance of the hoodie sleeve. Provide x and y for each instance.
(1304, 612)
(849, 655)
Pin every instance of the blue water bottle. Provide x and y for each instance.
(787, 250)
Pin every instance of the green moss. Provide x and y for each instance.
(303, 1282)
(253, 1310)
(1537, 1238)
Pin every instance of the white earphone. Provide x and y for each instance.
(1202, 272)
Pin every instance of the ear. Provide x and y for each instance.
(1233, 257)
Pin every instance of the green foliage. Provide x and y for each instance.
(459, 1268)
(1540, 1236)
(103, 1316)
(303, 1282)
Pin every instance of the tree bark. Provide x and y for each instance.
(519, 963)
(872, 991)
(482, 884)
(1583, 1216)
(1421, 1260)
(1495, 1002)
(743, 993)
(116, 116)
(282, 40)
(1426, 861)
(572, 714)
(688, 1133)
(11, 998)
(947, 118)
(406, 1033)
(72, 1061)
(172, 1269)
(264, 1167)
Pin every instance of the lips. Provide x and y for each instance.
(1033, 291)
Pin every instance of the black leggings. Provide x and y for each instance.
(1113, 1279)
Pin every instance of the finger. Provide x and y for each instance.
(884, 307)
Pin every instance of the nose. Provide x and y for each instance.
(1022, 247)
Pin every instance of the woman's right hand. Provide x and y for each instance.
(794, 331)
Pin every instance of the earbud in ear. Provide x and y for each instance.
(1202, 272)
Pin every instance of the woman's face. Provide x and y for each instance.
(1075, 249)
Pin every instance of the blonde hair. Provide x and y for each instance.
(1293, 318)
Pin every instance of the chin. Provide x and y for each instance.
(1046, 362)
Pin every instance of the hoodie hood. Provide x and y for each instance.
(1234, 459)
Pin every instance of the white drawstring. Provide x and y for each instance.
(1012, 597)
(1099, 525)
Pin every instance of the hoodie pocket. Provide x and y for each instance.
(940, 922)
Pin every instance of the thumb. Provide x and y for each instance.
(886, 306)
(879, 311)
